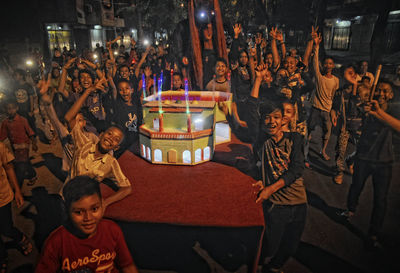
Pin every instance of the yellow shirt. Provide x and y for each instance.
(6, 192)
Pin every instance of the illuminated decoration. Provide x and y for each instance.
(144, 86)
(29, 62)
(157, 155)
(197, 155)
(187, 158)
(172, 79)
(340, 23)
(182, 127)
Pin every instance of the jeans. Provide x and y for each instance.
(381, 177)
(284, 227)
(7, 229)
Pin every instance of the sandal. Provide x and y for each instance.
(32, 181)
(324, 156)
(3, 266)
(25, 246)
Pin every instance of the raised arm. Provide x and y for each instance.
(61, 86)
(110, 52)
(112, 85)
(317, 40)
(279, 38)
(261, 71)
(132, 51)
(142, 60)
(274, 48)
(76, 107)
(307, 53)
(234, 53)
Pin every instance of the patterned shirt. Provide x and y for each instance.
(85, 162)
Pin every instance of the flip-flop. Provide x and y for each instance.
(25, 246)
(3, 266)
(32, 181)
(325, 156)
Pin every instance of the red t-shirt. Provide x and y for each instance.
(17, 130)
(104, 252)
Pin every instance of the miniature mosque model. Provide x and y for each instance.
(182, 127)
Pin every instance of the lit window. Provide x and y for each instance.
(143, 150)
(207, 153)
(157, 155)
(148, 153)
(187, 158)
(197, 155)
(156, 124)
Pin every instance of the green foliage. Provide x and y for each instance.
(234, 11)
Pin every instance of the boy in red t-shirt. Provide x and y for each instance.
(16, 128)
(86, 242)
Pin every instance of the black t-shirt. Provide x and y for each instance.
(376, 141)
(133, 82)
(129, 117)
(22, 92)
(241, 84)
(61, 105)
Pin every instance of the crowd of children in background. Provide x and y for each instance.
(92, 103)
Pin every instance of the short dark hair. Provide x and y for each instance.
(78, 187)
(268, 107)
(222, 60)
(87, 71)
(178, 74)
(20, 72)
(121, 66)
(125, 80)
(10, 101)
(365, 78)
(347, 85)
(119, 127)
(329, 57)
(386, 81)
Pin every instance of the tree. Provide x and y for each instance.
(234, 11)
(154, 15)
(377, 44)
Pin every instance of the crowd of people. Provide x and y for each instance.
(92, 104)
